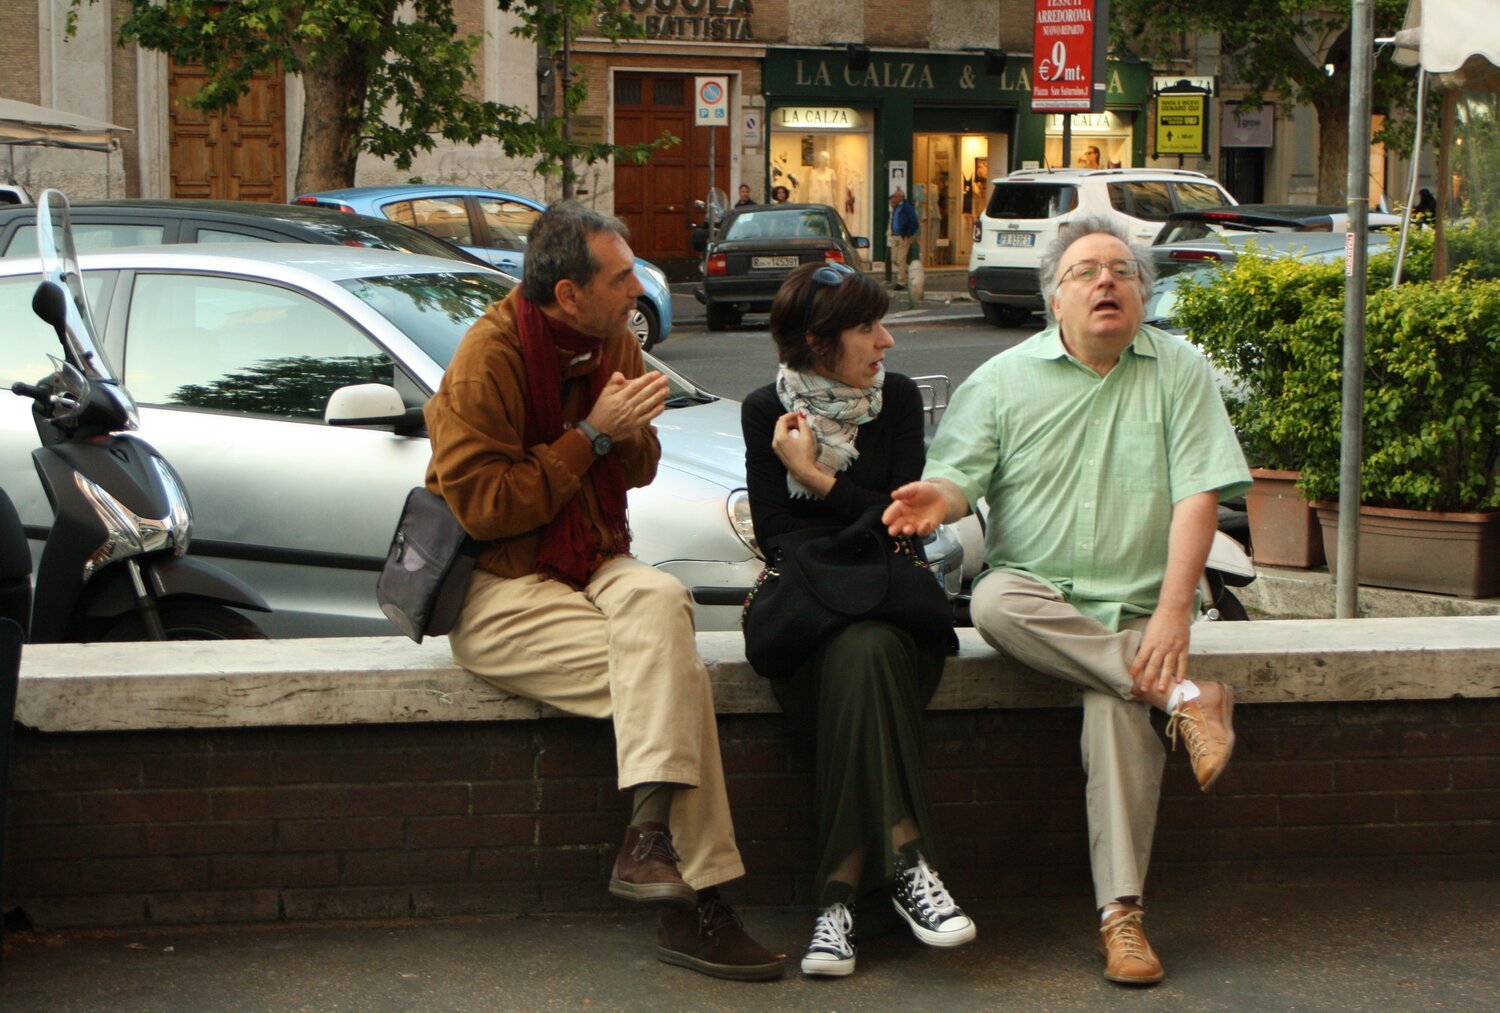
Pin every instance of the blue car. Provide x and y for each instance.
(492, 225)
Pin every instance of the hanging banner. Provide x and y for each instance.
(1069, 44)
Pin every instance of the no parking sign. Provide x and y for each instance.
(713, 101)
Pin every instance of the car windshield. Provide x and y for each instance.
(1031, 200)
(799, 224)
(378, 235)
(435, 311)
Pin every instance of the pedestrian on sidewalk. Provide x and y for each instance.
(1103, 449)
(904, 226)
(828, 440)
(541, 423)
(745, 199)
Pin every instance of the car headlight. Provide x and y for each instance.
(738, 506)
(656, 273)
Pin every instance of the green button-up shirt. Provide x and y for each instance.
(1081, 471)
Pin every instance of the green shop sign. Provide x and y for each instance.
(958, 78)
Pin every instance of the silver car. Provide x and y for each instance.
(232, 353)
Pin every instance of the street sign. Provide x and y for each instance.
(713, 101)
(1181, 124)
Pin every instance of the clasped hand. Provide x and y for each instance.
(624, 407)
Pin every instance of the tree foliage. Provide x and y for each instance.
(385, 77)
(1275, 49)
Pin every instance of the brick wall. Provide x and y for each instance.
(394, 821)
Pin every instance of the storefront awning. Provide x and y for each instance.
(27, 124)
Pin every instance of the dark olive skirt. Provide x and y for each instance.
(859, 701)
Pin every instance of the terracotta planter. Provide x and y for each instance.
(1418, 550)
(1284, 528)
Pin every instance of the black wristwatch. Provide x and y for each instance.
(600, 443)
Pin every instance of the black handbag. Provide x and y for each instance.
(824, 579)
(427, 568)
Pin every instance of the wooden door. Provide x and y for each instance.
(236, 154)
(655, 199)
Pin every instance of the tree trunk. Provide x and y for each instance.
(332, 114)
(1333, 150)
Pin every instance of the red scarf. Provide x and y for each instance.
(569, 551)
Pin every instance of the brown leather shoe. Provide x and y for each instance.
(1206, 723)
(713, 940)
(646, 869)
(1128, 958)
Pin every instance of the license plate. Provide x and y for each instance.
(758, 263)
(1017, 238)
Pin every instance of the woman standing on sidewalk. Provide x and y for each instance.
(831, 437)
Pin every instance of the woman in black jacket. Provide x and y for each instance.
(831, 437)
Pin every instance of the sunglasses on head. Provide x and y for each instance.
(831, 274)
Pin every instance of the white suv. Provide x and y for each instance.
(1026, 208)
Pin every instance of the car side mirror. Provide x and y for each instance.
(861, 243)
(371, 404)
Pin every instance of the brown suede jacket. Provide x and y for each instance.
(502, 491)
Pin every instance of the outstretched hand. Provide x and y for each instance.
(917, 508)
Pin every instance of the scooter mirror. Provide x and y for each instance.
(51, 304)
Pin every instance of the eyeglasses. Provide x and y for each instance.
(1088, 270)
(831, 274)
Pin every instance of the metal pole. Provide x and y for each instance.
(1411, 186)
(1067, 155)
(712, 133)
(1361, 47)
(567, 80)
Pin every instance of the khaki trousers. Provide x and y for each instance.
(1122, 754)
(621, 648)
(900, 250)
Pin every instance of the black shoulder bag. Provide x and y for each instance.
(824, 579)
(427, 568)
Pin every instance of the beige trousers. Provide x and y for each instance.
(1122, 754)
(900, 249)
(621, 648)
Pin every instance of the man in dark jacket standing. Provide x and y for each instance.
(903, 229)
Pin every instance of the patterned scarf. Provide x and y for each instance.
(835, 412)
(569, 551)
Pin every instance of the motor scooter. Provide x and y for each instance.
(114, 564)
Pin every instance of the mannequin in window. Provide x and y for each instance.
(823, 181)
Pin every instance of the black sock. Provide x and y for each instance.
(835, 892)
(910, 853)
(653, 803)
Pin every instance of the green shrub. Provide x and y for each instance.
(1432, 376)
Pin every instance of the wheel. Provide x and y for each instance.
(719, 316)
(1001, 315)
(1223, 605)
(189, 621)
(645, 325)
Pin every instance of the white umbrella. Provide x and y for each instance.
(37, 126)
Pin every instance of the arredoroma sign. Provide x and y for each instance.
(710, 20)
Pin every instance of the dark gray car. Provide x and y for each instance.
(758, 246)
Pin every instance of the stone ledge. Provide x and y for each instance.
(1286, 593)
(384, 680)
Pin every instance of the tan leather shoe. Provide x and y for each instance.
(646, 869)
(1207, 726)
(1128, 958)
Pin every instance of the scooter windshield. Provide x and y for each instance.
(54, 237)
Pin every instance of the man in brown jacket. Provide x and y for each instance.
(542, 422)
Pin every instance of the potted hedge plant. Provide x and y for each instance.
(1246, 321)
(1430, 503)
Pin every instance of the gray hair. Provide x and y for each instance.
(1072, 231)
(558, 247)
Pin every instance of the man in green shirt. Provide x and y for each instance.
(1103, 449)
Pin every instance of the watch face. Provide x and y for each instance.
(603, 444)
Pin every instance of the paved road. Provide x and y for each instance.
(945, 335)
(1351, 946)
